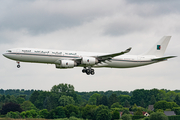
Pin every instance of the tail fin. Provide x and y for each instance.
(160, 47)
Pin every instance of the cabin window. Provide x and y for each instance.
(8, 51)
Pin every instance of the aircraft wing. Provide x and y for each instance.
(163, 58)
(109, 56)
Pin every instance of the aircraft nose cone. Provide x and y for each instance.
(4, 54)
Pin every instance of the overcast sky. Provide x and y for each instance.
(90, 25)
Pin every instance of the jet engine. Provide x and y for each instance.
(66, 64)
(89, 61)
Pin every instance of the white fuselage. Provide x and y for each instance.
(52, 56)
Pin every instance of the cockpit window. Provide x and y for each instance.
(8, 51)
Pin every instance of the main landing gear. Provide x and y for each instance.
(18, 66)
(88, 71)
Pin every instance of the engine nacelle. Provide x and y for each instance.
(89, 61)
(66, 64)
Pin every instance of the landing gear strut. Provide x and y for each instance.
(88, 71)
(18, 66)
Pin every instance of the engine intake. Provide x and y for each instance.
(89, 61)
(66, 64)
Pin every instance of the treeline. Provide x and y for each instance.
(62, 101)
(17, 92)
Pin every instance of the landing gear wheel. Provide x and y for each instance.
(84, 70)
(18, 66)
(92, 72)
(88, 72)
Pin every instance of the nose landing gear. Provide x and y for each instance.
(18, 66)
(88, 71)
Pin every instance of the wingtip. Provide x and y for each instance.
(129, 49)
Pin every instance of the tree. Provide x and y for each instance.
(123, 98)
(44, 113)
(170, 96)
(93, 99)
(64, 89)
(112, 99)
(12, 114)
(23, 114)
(20, 100)
(115, 115)
(153, 100)
(138, 112)
(165, 105)
(10, 107)
(177, 100)
(58, 112)
(104, 114)
(142, 103)
(126, 111)
(116, 105)
(27, 105)
(66, 100)
(34, 96)
(71, 108)
(104, 100)
(158, 116)
(126, 104)
(99, 108)
(126, 117)
(88, 111)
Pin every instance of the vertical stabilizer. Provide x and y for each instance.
(160, 47)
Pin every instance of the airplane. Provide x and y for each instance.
(69, 59)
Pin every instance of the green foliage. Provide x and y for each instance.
(176, 110)
(99, 108)
(28, 114)
(174, 117)
(58, 112)
(123, 98)
(126, 111)
(158, 116)
(146, 118)
(63, 89)
(115, 115)
(135, 117)
(44, 113)
(20, 100)
(93, 99)
(116, 105)
(165, 105)
(170, 96)
(113, 99)
(126, 104)
(72, 108)
(138, 112)
(153, 100)
(103, 114)
(27, 105)
(177, 99)
(23, 114)
(88, 111)
(66, 100)
(126, 117)
(13, 115)
(102, 100)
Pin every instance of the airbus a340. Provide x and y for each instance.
(70, 59)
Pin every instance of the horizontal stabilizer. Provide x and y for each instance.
(163, 58)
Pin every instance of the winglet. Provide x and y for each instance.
(128, 50)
